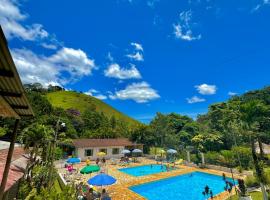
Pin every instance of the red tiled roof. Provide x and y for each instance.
(17, 153)
(15, 172)
(102, 142)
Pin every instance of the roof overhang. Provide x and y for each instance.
(13, 100)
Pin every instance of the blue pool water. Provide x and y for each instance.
(143, 170)
(184, 187)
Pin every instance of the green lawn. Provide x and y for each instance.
(254, 195)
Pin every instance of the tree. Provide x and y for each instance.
(254, 111)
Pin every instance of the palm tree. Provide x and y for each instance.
(35, 139)
(252, 112)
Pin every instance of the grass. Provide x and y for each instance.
(254, 195)
(69, 99)
(57, 186)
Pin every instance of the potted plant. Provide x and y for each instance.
(243, 190)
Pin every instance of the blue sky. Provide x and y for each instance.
(142, 56)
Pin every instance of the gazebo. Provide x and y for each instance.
(13, 101)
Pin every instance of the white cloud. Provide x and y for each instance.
(137, 56)
(75, 61)
(137, 46)
(183, 28)
(11, 18)
(232, 93)
(115, 71)
(260, 5)
(48, 69)
(195, 99)
(101, 97)
(48, 46)
(96, 94)
(152, 3)
(139, 92)
(206, 89)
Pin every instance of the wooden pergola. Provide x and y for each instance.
(13, 100)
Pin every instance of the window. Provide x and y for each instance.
(88, 152)
(103, 150)
(115, 151)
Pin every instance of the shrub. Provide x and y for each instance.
(252, 181)
(244, 154)
(59, 153)
(212, 157)
(227, 158)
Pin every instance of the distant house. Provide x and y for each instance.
(89, 148)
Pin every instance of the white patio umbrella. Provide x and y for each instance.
(125, 151)
(171, 151)
(137, 151)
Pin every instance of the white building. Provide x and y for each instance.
(89, 148)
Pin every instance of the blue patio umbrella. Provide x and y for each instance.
(101, 179)
(73, 160)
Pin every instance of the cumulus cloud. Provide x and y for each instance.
(48, 69)
(48, 46)
(115, 71)
(75, 61)
(11, 18)
(195, 99)
(206, 89)
(96, 94)
(183, 28)
(139, 92)
(136, 56)
(232, 93)
(137, 46)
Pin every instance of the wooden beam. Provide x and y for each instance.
(8, 160)
(10, 94)
(6, 110)
(18, 106)
(6, 73)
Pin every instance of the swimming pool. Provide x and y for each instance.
(185, 187)
(144, 170)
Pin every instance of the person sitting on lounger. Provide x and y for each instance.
(105, 195)
(91, 194)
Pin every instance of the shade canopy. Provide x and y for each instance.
(125, 151)
(137, 151)
(73, 160)
(101, 153)
(101, 179)
(89, 169)
(13, 99)
(171, 151)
